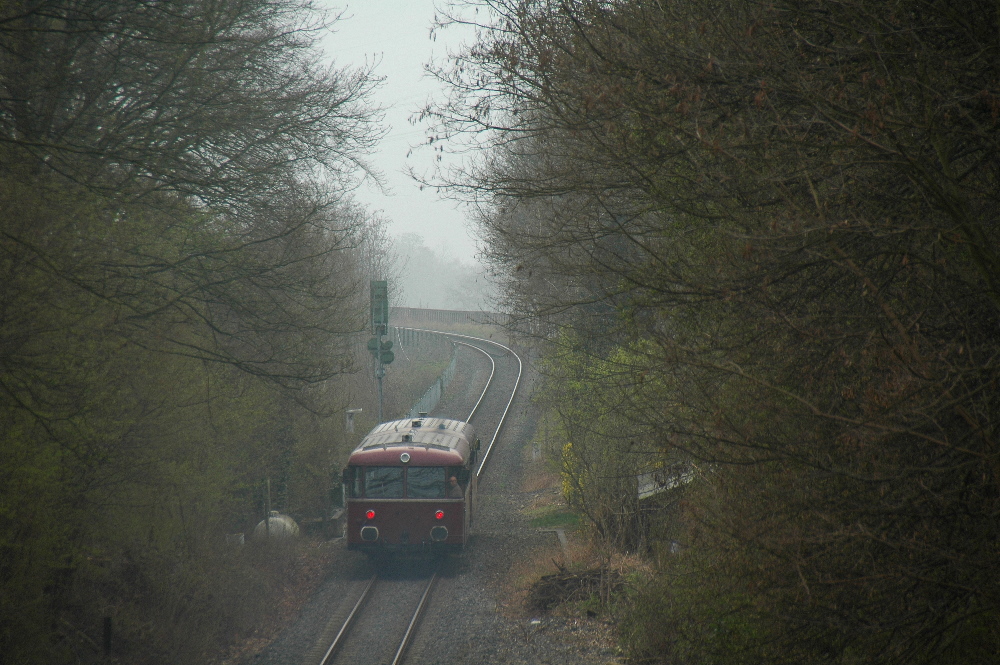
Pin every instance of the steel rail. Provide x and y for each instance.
(348, 621)
(493, 369)
(513, 393)
(493, 365)
(410, 630)
(413, 622)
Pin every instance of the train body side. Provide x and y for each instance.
(397, 490)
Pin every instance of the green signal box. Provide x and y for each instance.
(380, 306)
(385, 355)
(381, 350)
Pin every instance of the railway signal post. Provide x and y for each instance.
(381, 349)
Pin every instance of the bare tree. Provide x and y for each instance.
(786, 213)
(180, 257)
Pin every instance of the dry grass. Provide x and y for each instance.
(522, 575)
(540, 478)
(539, 472)
(306, 572)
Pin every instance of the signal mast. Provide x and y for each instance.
(381, 349)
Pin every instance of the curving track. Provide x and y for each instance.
(364, 634)
(478, 344)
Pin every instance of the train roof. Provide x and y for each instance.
(429, 442)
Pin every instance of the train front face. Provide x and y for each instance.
(400, 496)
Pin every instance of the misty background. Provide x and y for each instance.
(435, 263)
(432, 277)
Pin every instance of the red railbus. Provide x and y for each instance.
(410, 486)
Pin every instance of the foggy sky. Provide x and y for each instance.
(395, 34)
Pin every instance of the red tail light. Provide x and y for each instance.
(370, 515)
(439, 515)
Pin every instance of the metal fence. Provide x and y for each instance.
(436, 391)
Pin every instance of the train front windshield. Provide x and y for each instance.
(393, 482)
(425, 482)
(384, 482)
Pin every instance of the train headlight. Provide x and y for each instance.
(370, 515)
(439, 534)
(439, 514)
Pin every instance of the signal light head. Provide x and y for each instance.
(370, 515)
(439, 515)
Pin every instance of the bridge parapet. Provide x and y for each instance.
(414, 316)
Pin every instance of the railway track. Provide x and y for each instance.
(477, 344)
(362, 636)
(332, 652)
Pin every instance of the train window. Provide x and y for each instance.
(425, 482)
(352, 482)
(384, 482)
